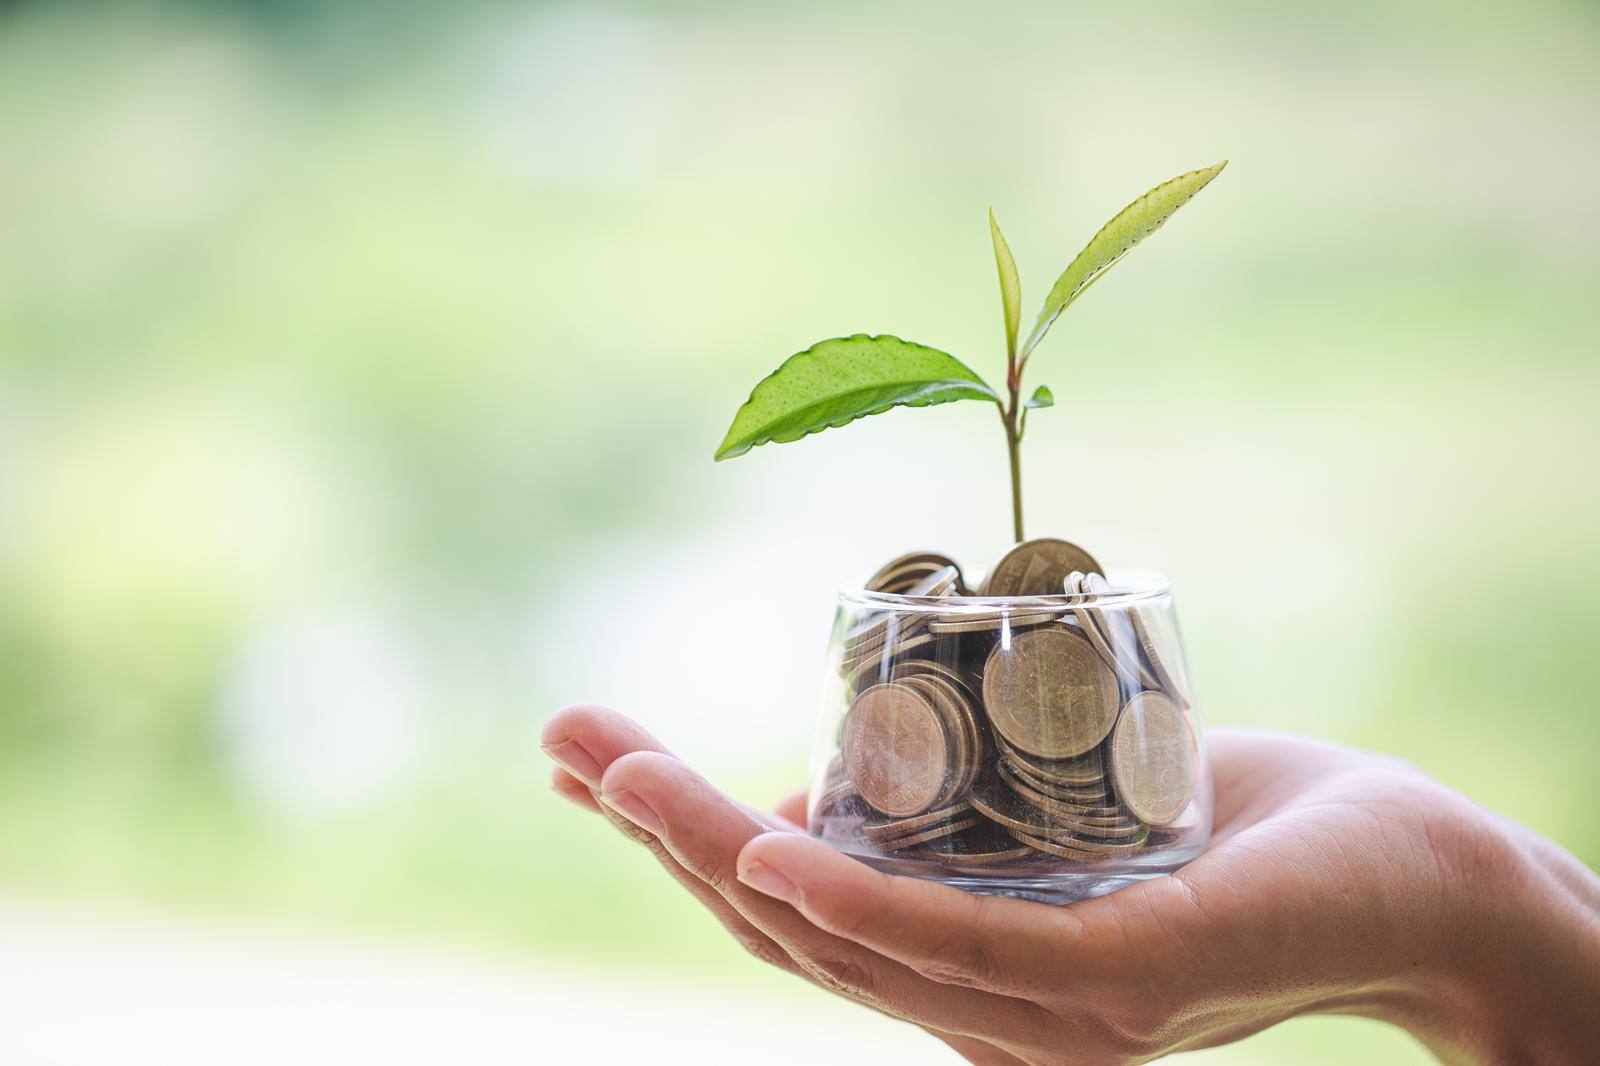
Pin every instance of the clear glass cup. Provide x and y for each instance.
(1042, 747)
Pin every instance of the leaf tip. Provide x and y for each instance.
(730, 448)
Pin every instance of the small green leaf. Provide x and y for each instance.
(1116, 238)
(838, 381)
(1010, 286)
(1042, 397)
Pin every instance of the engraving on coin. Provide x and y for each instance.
(1153, 759)
(895, 750)
(1049, 693)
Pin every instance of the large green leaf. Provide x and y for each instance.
(1116, 239)
(1010, 286)
(838, 381)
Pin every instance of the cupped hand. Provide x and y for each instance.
(1336, 882)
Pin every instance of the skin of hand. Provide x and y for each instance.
(1336, 882)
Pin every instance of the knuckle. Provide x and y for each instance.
(968, 965)
(712, 871)
(842, 975)
(629, 829)
(763, 949)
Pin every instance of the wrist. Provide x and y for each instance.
(1511, 971)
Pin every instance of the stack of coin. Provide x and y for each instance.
(884, 637)
(1032, 732)
(912, 744)
(901, 576)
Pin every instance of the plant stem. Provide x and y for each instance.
(1011, 420)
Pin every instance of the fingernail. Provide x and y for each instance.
(572, 758)
(570, 797)
(768, 881)
(633, 809)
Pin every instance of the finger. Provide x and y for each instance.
(748, 936)
(953, 937)
(704, 831)
(572, 790)
(792, 808)
(584, 740)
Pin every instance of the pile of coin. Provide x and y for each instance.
(1017, 732)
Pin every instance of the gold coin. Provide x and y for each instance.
(974, 749)
(941, 582)
(839, 802)
(901, 575)
(1093, 807)
(1154, 764)
(1089, 851)
(965, 859)
(1082, 791)
(1109, 830)
(876, 632)
(1036, 568)
(1085, 769)
(935, 833)
(1117, 632)
(959, 696)
(1049, 694)
(1168, 668)
(1080, 798)
(895, 750)
(882, 659)
(1086, 772)
(960, 742)
(881, 625)
(991, 798)
(938, 669)
(881, 829)
(882, 629)
(970, 849)
(1090, 628)
(985, 844)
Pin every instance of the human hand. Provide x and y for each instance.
(1336, 882)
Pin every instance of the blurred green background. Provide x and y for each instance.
(361, 365)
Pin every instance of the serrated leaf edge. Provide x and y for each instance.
(1043, 324)
(978, 386)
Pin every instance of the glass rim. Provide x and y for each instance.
(1129, 586)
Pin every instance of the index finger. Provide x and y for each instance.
(1001, 945)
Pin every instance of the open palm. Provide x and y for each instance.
(1336, 881)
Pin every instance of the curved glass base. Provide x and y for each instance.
(1055, 883)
